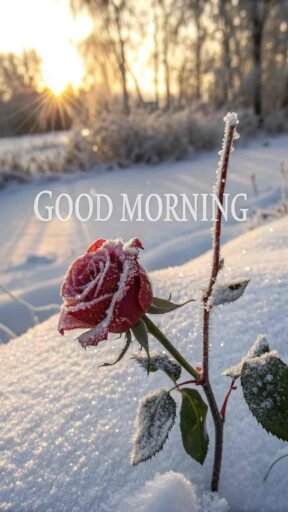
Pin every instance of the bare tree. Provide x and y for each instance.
(257, 15)
(156, 29)
(19, 73)
(111, 17)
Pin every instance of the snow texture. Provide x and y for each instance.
(172, 492)
(34, 255)
(65, 425)
(155, 418)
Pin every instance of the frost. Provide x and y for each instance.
(231, 119)
(155, 418)
(159, 361)
(267, 398)
(225, 293)
(59, 414)
(102, 327)
(259, 347)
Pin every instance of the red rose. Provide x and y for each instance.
(106, 289)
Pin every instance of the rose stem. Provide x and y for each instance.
(229, 134)
(155, 331)
(203, 379)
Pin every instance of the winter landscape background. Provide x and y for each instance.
(124, 97)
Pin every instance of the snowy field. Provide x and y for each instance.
(34, 254)
(66, 425)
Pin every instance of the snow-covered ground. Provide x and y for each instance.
(66, 424)
(34, 254)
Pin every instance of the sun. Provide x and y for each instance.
(62, 68)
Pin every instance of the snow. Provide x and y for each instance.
(172, 492)
(34, 255)
(231, 119)
(66, 425)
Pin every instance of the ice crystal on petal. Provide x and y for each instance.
(100, 330)
(155, 418)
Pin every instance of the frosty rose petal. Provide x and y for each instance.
(105, 289)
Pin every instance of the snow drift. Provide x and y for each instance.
(66, 424)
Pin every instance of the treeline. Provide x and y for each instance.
(205, 55)
(218, 52)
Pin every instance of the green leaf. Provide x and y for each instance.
(155, 418)
(193, 424)
(264, 382)
(128, 339)
(141, 334)
(160, 361)
(162, 306)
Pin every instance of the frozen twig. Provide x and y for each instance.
(230, 134)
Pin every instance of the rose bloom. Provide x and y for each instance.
(105, 290)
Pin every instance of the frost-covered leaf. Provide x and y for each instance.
(259, 347)
(161, 306)
(264, 382)
(193, 424)
(159, 361)
(141, 334)
(155, 418)
(229, 292)
(128, 339)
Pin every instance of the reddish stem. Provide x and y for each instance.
(216, 415)
(194, 381)
(224, 406)
(216, 249)
(197, 382)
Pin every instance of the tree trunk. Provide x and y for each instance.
(125, 95)
(122, 64)
(156, 54)
(259, 12)
(226, 35)
(166, 59)
(198, 64)
(257, 59)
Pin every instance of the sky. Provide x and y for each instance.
(50, 28)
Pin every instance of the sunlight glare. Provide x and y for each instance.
(63, 69)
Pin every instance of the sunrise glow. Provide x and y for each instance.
(55, 37)
(63, 69)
